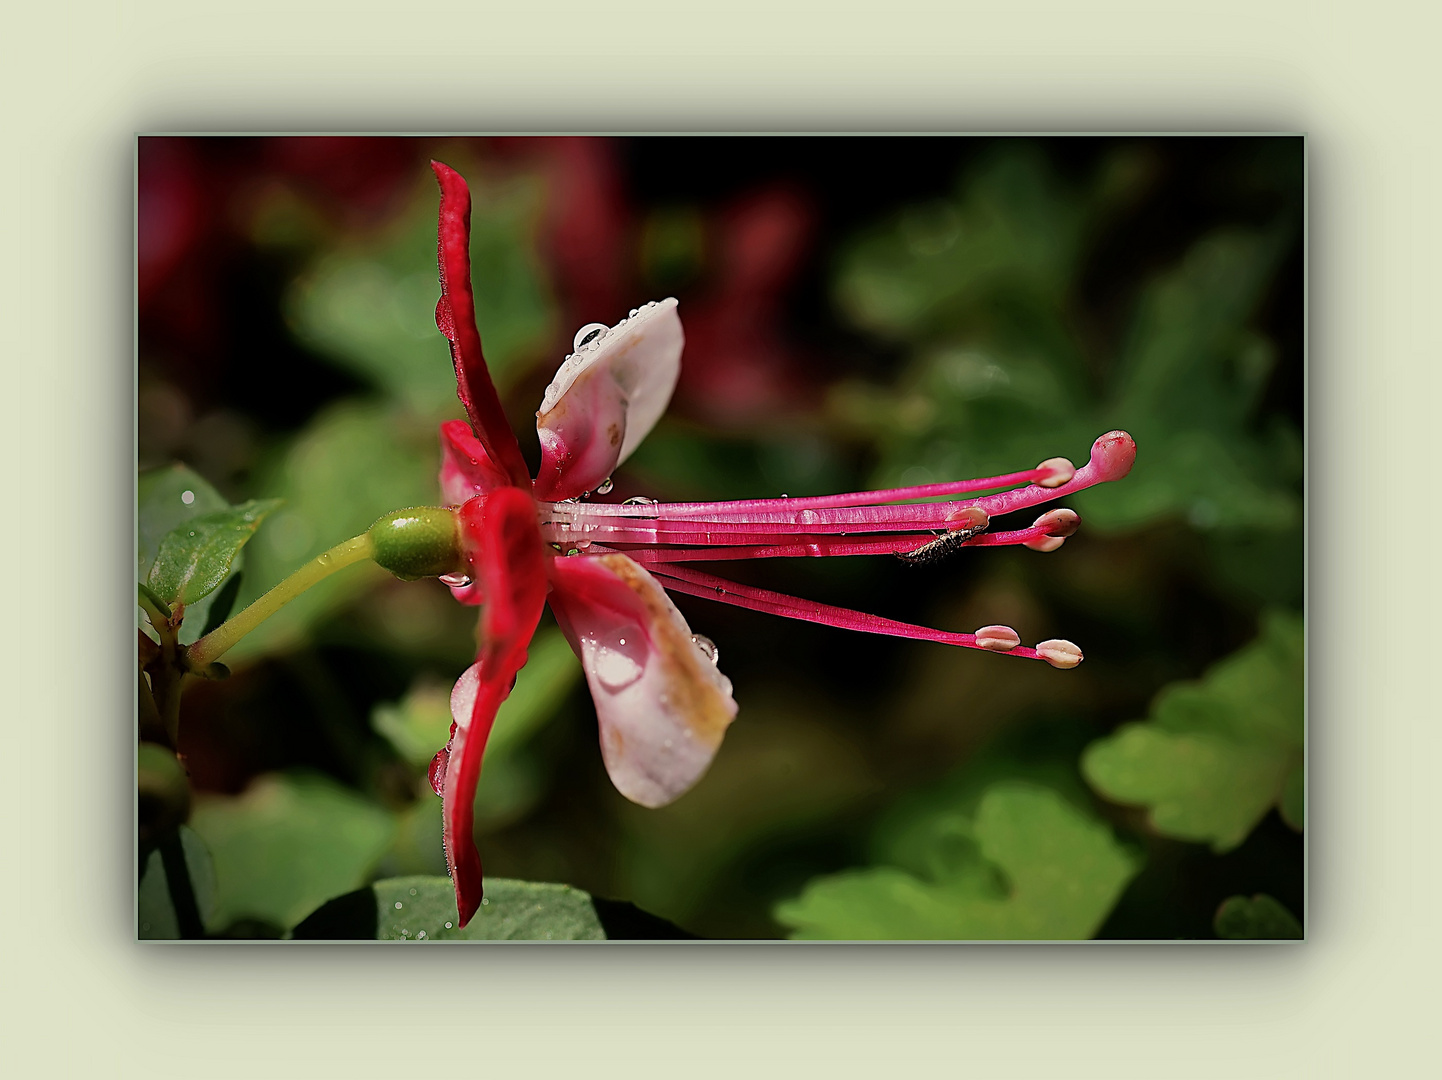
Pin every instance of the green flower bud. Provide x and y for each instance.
(422, 541)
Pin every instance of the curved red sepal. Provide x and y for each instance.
(456, 319)
(506, 554)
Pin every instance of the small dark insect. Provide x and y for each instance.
(940, 548)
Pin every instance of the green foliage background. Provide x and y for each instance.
(1028, 297)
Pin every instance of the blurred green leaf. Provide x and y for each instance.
(154, 909)
(195, 557)
(510, 783)
(419, 725)
(289, 842)
(1215, 755)
(1010, 235)
(1028, 866)
(371, 307)
(166, 498)
(424, 909)
(981, 289)
(353, 463)
(1259, 918)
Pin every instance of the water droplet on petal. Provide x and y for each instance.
(639, 500)
(456, 581)
(589, 333)
(614, 666)
(437, 773)
(187, 497)
(605, 486)
(708, 648)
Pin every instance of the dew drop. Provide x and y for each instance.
(589, 333)
(604, 487)
(420, 935)
(485, 900)
(398, 905)
(708, 648)
(187, 497)
(448, 926)
(639, 500)
(192, 532)
(614, 667)
(413, 892)
(456, 581)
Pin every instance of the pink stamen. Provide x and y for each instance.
(696, 583)
(757, 521)
(817, 547)
(824, 502)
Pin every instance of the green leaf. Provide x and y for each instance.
(1260, 918)
(982, 289)
(424, 909)
(370, 307)
(166, 498)
(511, 782)
(194, 558)
(155, 912)
(287, 843)
(1215, 755)
(1028, 866)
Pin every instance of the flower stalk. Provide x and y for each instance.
(215, 644)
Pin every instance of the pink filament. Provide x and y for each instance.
(695, 583)
(817, 547)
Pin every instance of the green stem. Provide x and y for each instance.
(156, 609)
(214, 644)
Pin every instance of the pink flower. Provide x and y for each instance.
(662, 702)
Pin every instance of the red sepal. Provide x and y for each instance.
(506, 554)
(456, 319)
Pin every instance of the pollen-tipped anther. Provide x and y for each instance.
(1112, 455)
(1044, 543)
(1059, 653)
(1058, 522)
(997, 638)
(1055, 472)
(972, 519)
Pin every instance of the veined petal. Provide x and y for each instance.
(506, 555)
(456, 319)
(605, 399)
(662, 704)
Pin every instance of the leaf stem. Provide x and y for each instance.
(214, 644)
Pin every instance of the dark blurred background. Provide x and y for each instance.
(859, 312)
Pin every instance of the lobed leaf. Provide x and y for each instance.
(1215, 755)
(1027, 866)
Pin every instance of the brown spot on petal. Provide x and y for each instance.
(692, 688)
(613, 433)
